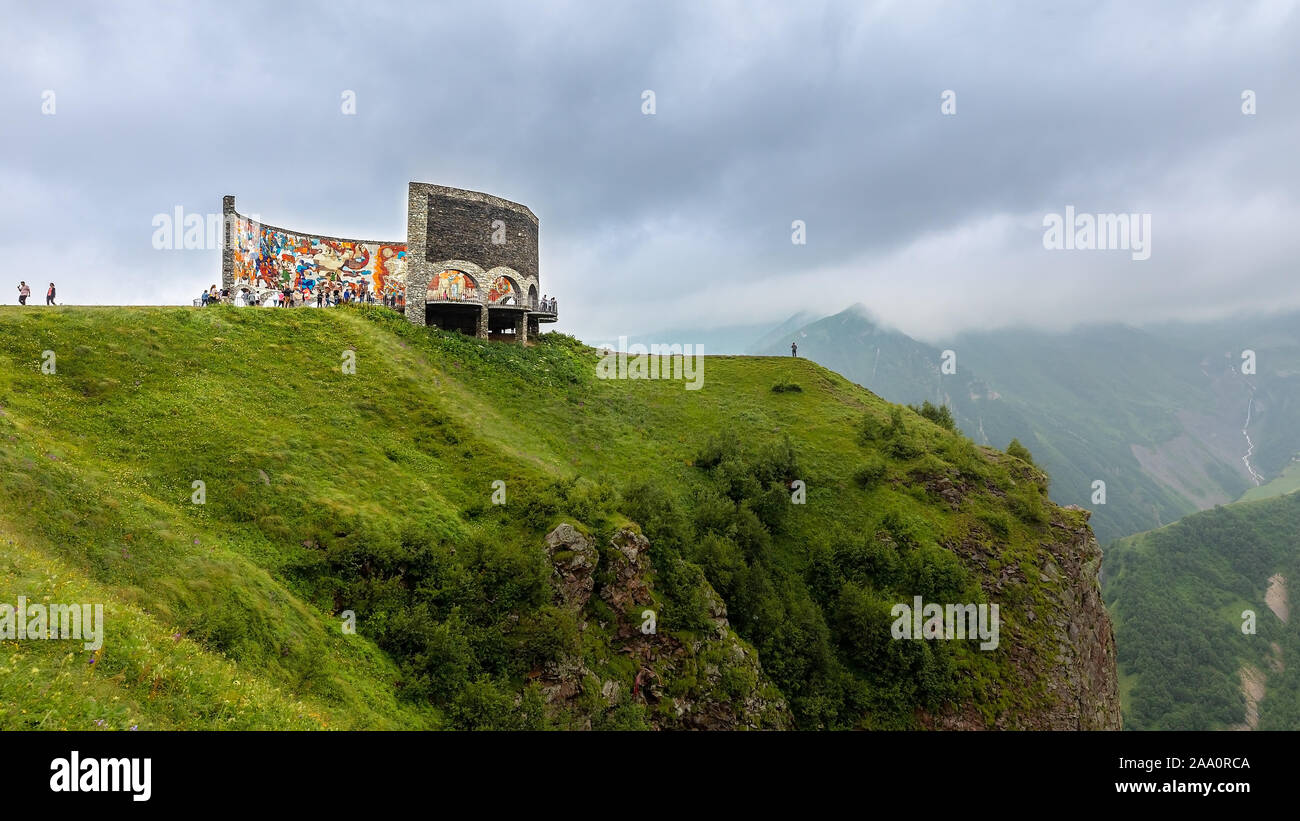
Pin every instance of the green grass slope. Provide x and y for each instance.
(372, 493)
(1287, 482)
(1177, 596)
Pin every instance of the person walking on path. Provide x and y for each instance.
(49, 295)
(24, 291)
(794, 349)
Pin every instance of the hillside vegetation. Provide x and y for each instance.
(1178, 595)
(1156, 413)
(372, 493)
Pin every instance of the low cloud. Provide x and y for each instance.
(765, 114)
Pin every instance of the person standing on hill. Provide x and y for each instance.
(49, 295)
(794, 349)
(23, 292)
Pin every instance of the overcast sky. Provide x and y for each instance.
(765, 114)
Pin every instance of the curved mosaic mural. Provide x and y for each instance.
(270, 259)
(452, 285)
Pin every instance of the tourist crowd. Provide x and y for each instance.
(322, 296)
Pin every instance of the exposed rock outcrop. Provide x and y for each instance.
(729, 690)
(1087, 677)
(574, 560)
(1063, 649)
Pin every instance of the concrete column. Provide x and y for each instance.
(521, 327)
(483, 321)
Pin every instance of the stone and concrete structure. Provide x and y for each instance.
(469, 263)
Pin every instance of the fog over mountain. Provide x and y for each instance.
(765, 114)
(1171, 418)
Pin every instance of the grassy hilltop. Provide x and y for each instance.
(372, 492)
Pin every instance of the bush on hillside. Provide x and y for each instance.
(869, 473)
(941, 415)
(1020, 452)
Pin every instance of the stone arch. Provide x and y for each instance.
(503, 275)
(453, 284)
(532, 290)
(432, 271)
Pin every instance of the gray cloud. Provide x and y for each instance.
(767, 113)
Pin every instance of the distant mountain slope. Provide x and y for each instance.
(1156, 414)
(886, 362)
(1178, 594)
(330, 495)
(772, 338)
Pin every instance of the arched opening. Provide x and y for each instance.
(452, 286)
(451, 302)
(532, 297)
(503, 292)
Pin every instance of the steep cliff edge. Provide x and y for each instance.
(1086, 636)
(1078, 674)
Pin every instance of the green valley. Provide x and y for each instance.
(1203, 619)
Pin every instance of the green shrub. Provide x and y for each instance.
(483, 705)
(869, 473)
(1020, 452)
(902, 449)
(719, 446)
(870, 428)
(787, 387)
(941, 415)
(1027, 504)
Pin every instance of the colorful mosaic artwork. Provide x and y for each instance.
(269, 259)
(452, 285)
(503, 292)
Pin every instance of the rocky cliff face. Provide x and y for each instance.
(1063, 647)
(729, 690)
(1088, 681)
